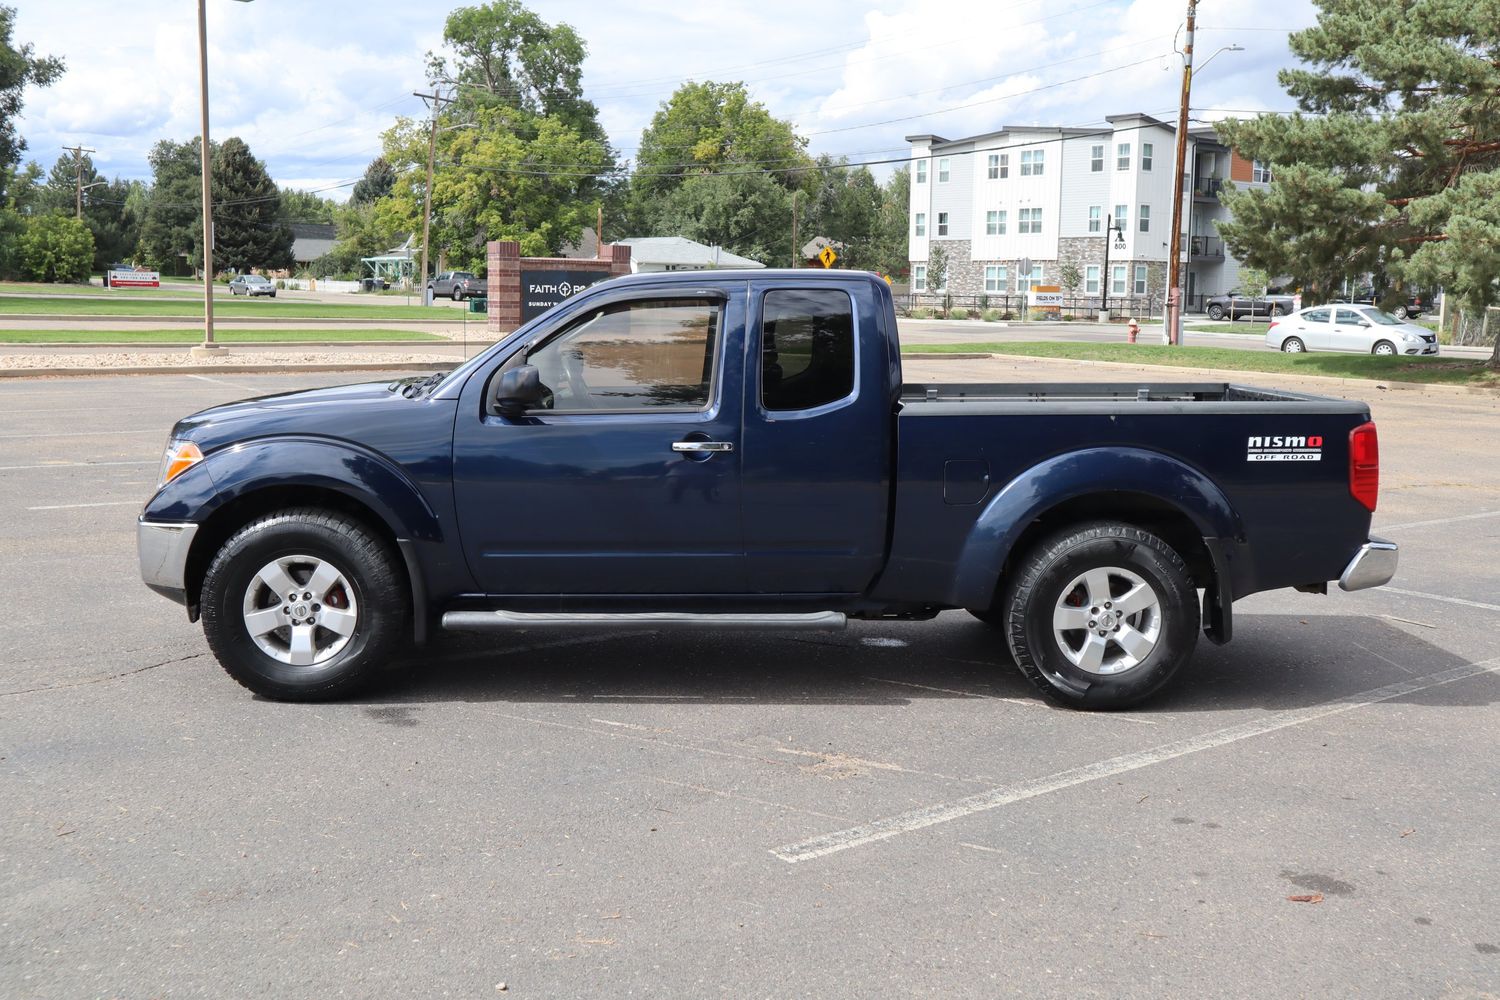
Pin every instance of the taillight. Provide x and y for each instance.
(1271, 327)
(1364, 465)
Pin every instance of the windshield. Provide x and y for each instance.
(1381, 318)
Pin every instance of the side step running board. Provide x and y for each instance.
(818, 621)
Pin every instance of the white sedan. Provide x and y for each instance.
(1342, 327)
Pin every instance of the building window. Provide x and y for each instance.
(1096, 159)
(942, 224)
(1004, 165)
(920, 228)
(999, 166)
(1096, 220)
(921, 171)
(919, 278)
(1122, 156)
(1032, 162)
(1024, 281)
(994, 223)
(1117, 280)
(1122, 217)
(1030, 221)
(1146, 155)
(994, 278)
(943, 170)
(1144, 219)
(1260, 172)
(1091, 280)
(1140, 279)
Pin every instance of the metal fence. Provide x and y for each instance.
(1473, 329)
(1080, 307)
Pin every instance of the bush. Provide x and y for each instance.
(992, 315)
(959, 313)
(1008, 315)
(56, 248)
(921, 312)
(1069, 317)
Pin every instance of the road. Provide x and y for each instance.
(887, 811)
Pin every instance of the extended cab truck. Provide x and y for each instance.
(738, 450)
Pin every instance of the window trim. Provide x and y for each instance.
(944, 169)
(1096, 219)
(919, 225)
(1097, 279)
(919, 281)
(1143, 218)
(999, 222)
(1096, 163)
(1122, 156)
(1003, 279)
(942, 224)
(1141, 279)
(919, 176)
(760, 331)
(1147, 158)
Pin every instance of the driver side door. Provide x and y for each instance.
(626, 480)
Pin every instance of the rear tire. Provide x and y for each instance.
(458, 296)
(356, 618)
(1110, 578)
(1293, 345)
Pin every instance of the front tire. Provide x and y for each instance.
(304, 605)
(1293, 345)
(1215, 312)
(1101, 615)
(1384, 349)
(458, 296)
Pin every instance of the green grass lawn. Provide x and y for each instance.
(180, 336)
(47, 289)
(166, 306)
(1435, 370)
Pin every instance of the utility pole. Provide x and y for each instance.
(1172, 333)
(795, 193)
(78, 152)
(437, 105)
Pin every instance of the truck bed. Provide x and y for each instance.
(1018, 396)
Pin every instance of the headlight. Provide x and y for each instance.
(179, 457)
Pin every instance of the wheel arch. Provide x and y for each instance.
(1149, 490)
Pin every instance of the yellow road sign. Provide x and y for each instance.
(827, 256)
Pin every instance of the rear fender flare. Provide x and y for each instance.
(1068, 477)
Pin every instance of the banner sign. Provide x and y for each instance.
(1045, 300)
(134, 279)
(541, 290)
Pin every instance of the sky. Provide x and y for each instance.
(310, 86)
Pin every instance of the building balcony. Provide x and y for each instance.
(1207, 188)
(1205, 248)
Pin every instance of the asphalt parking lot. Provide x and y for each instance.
(888, 810)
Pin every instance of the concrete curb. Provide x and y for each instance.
(400, 366)
(1231, 375)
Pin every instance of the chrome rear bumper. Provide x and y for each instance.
(1372, 566)
(163, 550)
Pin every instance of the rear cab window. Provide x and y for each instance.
(807, 348)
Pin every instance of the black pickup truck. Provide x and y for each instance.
(739, 450)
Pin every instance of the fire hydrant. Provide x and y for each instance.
(1133, 329)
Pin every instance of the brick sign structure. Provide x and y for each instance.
(522, 288)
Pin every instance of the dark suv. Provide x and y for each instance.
(1417, 302)
(1238, 303)
(458, 285)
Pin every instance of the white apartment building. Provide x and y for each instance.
(1053, 195)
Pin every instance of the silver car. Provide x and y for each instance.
(1344, 327)
(252, 285)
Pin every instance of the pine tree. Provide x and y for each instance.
(1393, 164)
(249, 230)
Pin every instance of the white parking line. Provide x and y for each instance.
(1439, 520)
(73, 506)
(219, 381)
(86, 434)
(75, 465)
(917, 819)
(1440, 597)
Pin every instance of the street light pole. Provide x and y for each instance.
(1172, 333)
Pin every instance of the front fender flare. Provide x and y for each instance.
(1071, 476)
(240, 470)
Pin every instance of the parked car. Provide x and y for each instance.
(738, 450)
(1237, 303)
(1349, 327)
(252, 285)
(458, 285)
(1415, 304)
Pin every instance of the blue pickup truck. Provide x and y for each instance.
(738, 450)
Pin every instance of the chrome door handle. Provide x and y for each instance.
(702, 446)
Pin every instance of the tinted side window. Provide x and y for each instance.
(648, 354)
(807, 348)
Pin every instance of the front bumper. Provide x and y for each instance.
(1372, 566)
(163, 550)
